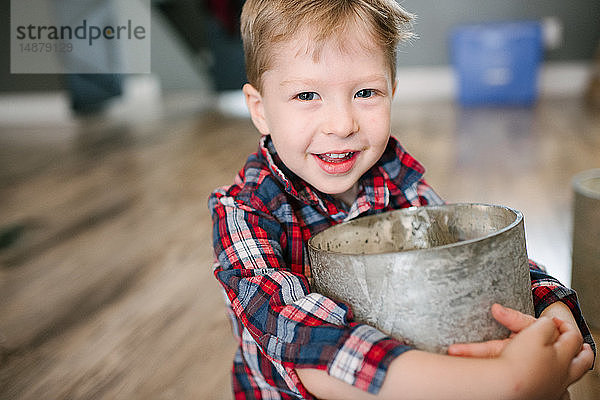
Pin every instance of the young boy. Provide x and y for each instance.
(321, 80)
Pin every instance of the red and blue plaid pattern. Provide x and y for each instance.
(260, 228)
(547, 290)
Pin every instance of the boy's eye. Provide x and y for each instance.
(365, 93)
(307, 96)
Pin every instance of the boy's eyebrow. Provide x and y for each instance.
(315, 82)
(310, 82)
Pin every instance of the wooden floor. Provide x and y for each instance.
(106, 290)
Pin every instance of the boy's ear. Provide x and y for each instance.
(394, 86)
(255, 106)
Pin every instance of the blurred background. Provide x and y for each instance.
(106, 287)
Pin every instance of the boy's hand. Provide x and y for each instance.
(556, 347)
(538, 359)
(516, 321)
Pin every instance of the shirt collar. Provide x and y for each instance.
(395, 167)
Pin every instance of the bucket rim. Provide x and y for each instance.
(517, 220)
(578, 180)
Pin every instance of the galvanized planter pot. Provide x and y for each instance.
(427, 275)
(585, 268)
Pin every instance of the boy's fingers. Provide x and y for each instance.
(488, 349)
(544, 328)
(581, 363)
(570, 338)
(512, 319)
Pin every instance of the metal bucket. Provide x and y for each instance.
(427, 275)
(585, 268)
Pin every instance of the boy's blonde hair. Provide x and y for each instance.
(265, 23)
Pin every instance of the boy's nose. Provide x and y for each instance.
(340, 121)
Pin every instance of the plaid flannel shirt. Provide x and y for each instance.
(260, 228)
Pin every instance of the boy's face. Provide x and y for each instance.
(329, 119)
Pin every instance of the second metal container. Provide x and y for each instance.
(427, 275)
(585, 268)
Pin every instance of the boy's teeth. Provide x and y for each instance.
(337, 155)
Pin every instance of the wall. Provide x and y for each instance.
(435, 19)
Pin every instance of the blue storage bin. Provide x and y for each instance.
(497, 63)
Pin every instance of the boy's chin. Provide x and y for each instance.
(346, 193)
(333, 191)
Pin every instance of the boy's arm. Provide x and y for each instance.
(539, 363)
(291, 326)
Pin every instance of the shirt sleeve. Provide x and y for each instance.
(291, 326)
(547, 290)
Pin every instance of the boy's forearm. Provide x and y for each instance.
(421, 375)
(561, 311)
(538, 363)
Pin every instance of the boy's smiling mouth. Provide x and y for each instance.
(336, 157)
(336, 162)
